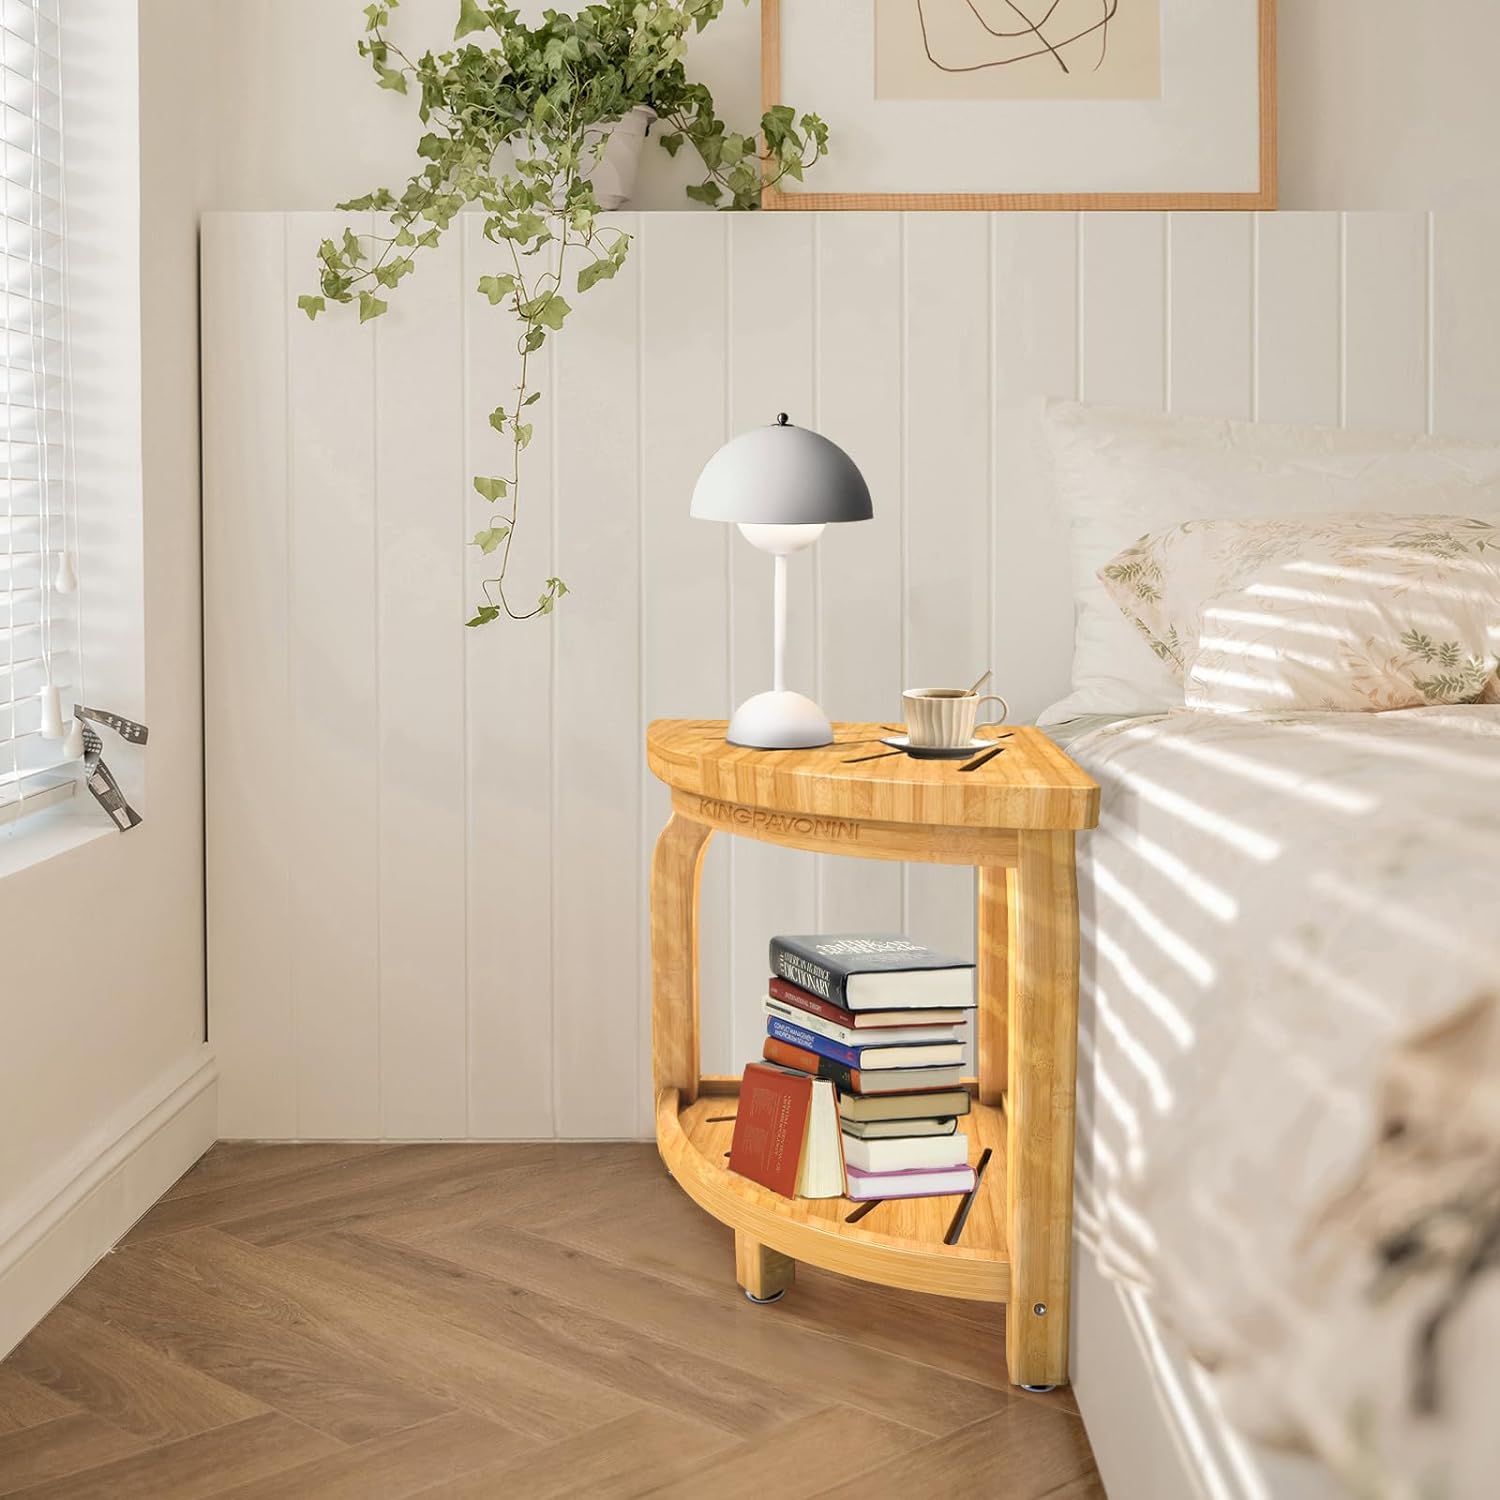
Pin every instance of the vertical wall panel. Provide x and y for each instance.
(1298, 365)
(334, 939)
(1123, 332)
(1209, 287)
(947, 514)
(420, 567)
(771, 343)
(429, 847)
(1466, 325)
(1385, 321)
(685, 574)
(507, 740)
(597, 876)
(250, 833)
(1035, 353)
(859, 356)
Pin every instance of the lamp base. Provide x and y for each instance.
(779, 721)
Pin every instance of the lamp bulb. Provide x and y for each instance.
(66, 581)
(72, 745)
(781, 539)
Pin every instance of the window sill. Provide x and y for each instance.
(44, 832)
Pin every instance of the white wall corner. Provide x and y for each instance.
(74, 1217)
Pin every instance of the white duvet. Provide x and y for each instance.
(1289, 1073)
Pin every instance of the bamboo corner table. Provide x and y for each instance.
(1014, 817)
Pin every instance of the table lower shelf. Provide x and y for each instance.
(899, 1243)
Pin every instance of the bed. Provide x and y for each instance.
(1288, 1175)
(1290, 1042)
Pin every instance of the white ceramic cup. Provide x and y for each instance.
(944, 717)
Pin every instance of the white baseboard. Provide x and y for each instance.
(77, 1214)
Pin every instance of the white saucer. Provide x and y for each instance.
(939, 752)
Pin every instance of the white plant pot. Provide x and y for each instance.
(613, 175)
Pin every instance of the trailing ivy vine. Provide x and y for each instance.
(550, 94)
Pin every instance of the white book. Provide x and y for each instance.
(863, 1036)
(907, 1154)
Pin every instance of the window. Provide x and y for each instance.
(40, 657)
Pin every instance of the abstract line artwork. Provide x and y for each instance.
(1017, 49)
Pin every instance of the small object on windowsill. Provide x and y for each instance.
(97, 775)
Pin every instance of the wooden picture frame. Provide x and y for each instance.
(1263, 197)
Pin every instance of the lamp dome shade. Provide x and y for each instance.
(781, 476)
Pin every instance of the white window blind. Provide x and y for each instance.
(39, 635)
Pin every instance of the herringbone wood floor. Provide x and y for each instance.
(499, 1321)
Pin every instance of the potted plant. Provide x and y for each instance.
(554, 95)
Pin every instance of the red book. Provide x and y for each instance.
(786, 1134)
(815, 1005)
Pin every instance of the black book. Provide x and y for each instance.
(874, 971)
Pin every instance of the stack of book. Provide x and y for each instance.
(883, 1019)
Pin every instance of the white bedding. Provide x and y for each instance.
(1289, 1074)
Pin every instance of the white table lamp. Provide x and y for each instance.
(780, 485)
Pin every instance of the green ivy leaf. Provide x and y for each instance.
(312, 306)
(490, 538)
(534, 396)
(370, 306)
(484, 615)
(705, 192)
(496, 287)
(491, 489)
(470, 19)
(552, 312)
(601, 270)
(497, 419)
(391, 78)
(522, 431)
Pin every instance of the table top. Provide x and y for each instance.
(1031, 784)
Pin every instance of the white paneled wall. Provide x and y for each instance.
(427, 845)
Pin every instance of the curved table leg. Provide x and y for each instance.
(674, 955)
(1043, 1064)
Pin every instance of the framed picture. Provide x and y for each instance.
(1029, 104)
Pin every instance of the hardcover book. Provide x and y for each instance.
(878, 1058)
(870, 971)
(880, 1130)
(786, 1134)
(787, 993)
(907, 1106)
(866, 1185)
(919, 1153)
(862, 1036)
(856, 1081)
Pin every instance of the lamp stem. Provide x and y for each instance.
(778, 674)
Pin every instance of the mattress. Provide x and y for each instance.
(1289, 1072)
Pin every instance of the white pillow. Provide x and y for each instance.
(1121, 474)
(1361, 612)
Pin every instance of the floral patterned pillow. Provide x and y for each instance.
(1356, 611)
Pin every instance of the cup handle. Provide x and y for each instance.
(1004, 707)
